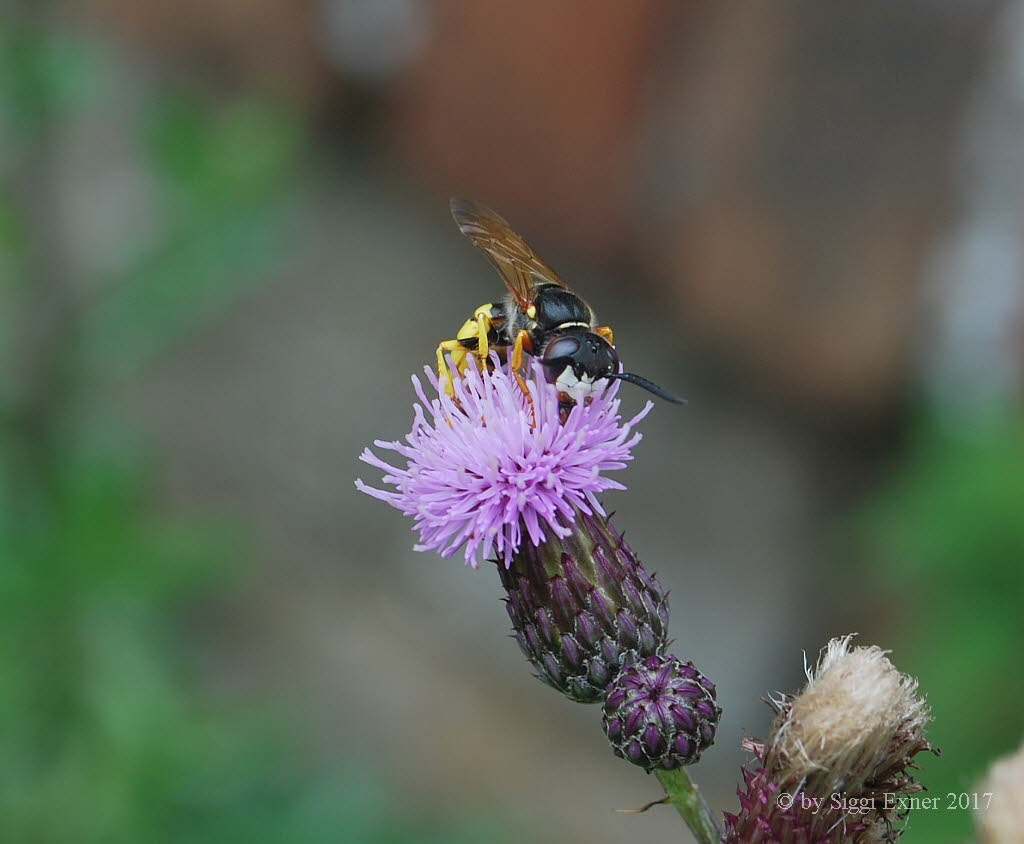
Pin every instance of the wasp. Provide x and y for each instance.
(540, 316)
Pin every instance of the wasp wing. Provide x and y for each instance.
(520, 267)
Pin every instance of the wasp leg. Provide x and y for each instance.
(522, 343)
(484, 323)
(474, 338)
(605, 332)
(444, 374)
(477, 335)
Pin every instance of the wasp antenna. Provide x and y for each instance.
(644, 384)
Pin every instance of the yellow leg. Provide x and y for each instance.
(522, 341)
(472, 334)
(605, 332)
(483, 327)
(443, 372)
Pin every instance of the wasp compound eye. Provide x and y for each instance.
(562, 349)
(560, 353)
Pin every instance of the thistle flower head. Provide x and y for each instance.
(1001, 821)
(660, 713)
(488, 468)
(852, 733)
(855, 722)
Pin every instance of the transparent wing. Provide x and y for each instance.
(520, 267)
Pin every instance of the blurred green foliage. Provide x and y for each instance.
(949, 532)
(222, 174)
(104, 736)
(43, 70)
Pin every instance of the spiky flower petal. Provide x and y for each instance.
(582, 606)
(661, 713)
(491, 471)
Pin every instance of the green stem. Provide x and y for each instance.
(690, 803)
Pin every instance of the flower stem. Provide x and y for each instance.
(690, 803)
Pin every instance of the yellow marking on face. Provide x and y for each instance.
(531, 311)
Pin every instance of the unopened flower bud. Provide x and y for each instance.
(661, 713)
(582, 606)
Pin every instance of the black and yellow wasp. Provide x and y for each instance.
(540, 316)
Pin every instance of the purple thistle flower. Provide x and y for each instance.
(481, 466)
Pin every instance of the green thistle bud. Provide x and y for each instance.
(582, 606)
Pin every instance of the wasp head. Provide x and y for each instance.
(576, 361)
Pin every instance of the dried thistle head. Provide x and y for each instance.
(853, 728)
(845, 741)
(1003, 819)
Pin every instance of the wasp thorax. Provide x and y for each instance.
(556, 307)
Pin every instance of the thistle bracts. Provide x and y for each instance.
(661, 713)
(582, 606)
(775, 813)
